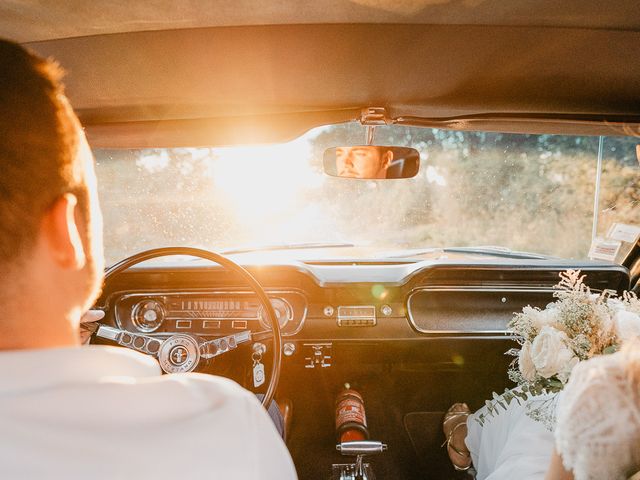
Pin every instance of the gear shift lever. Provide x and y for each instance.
(359, 449)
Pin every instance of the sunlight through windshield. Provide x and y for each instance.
(523, 192)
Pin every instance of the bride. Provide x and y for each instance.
(596, 436)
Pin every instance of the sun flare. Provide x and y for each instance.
(264, 186)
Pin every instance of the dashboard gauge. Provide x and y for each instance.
(283, 313)
(148, 315)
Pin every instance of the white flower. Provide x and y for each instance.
(525, 363)
(550, 353)
(627, 325)
(607, 324)
(532, 320)
(615, 304)
(548, 316)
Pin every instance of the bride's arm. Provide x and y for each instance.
(556, 469)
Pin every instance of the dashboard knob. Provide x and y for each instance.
(386, 310)
(288, 349)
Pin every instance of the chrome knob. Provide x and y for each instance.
(288, 349)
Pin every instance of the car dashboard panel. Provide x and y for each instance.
(416, 301)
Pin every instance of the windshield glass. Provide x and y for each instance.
(532, 193)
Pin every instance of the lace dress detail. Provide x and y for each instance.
(598, 429)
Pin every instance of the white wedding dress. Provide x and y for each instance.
(597, 431)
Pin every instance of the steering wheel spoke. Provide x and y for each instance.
(135, 341)
(178, 353)
(261, 335)
(218, 346)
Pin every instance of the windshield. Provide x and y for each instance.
(532, 193)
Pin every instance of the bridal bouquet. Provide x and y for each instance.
(577, 326)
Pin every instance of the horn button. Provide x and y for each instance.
(179, 354)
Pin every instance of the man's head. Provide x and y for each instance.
(50, 222)
(365, 161)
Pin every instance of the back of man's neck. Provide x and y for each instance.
(33, 329)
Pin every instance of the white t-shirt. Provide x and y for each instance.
(107, 412)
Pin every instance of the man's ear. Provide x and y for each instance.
(387, 159)
(61, 231)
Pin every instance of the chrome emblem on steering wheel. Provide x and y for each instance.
(179, 354)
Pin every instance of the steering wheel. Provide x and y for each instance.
(182, 352)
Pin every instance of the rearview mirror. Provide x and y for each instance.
(371, 162)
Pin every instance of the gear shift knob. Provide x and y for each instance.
(364, 447)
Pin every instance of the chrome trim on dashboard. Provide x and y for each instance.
(436, 288)
(119, 296)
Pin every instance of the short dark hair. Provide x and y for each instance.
(39, 139)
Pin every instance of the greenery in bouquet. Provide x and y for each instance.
(553, 340)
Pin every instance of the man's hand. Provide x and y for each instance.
(86, 331)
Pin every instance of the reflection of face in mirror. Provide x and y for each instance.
(363, 161)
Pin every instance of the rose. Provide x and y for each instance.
(550, 352)
(542, 318)
(525, 362)
(627, 325)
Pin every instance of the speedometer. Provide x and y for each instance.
(283, 312)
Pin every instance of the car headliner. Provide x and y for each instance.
(165, 73)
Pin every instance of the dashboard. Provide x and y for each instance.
(344, 301)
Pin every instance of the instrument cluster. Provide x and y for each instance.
(207, 313)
